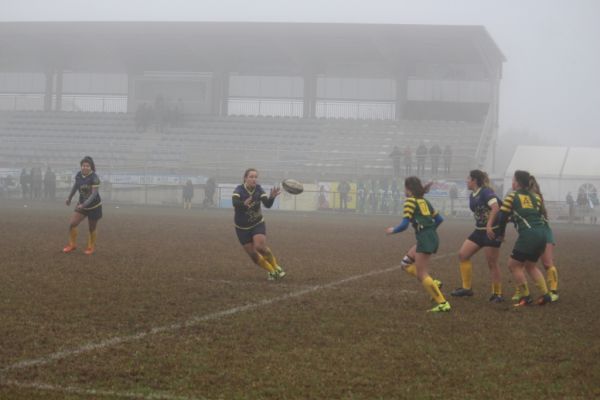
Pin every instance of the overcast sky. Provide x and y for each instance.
(551, 83)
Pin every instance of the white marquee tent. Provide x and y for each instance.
(558, 170)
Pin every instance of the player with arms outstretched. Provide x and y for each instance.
(250, 225)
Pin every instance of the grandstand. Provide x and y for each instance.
(309, 100)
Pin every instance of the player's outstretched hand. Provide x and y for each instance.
(389, 231)
(68, 202)
(275, 191)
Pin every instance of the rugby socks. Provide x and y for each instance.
(541, 285)
(265, 264)
(497, 288)
(73, 236)
(433, 290)
(92, 240)
(553, 278)
(270, 258)
(411, 270)
(466, 273)
(523, 290)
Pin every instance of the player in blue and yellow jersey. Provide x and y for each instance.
(89, 205)
(524, 207)
(485, 205)
(547, 257)
(419, 213)
(250, 225)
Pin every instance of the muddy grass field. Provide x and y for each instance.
(170, 307)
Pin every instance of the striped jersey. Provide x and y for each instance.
(525, 209)
(419, 212)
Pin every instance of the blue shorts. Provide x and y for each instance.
(245, 235)
(481, 239)
(94, 214)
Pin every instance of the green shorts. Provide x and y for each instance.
(427, 241)
(530, 243)
(549, 236)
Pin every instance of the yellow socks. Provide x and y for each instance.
(265, 264)
(73, 237)
(411, 270)
(271, 258)
(466, 273)
(541, 285)
(553, 278)
(92, 240)
(433, 290)
(523, 290)
(497, 288)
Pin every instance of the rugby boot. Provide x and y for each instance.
(496, 298)
(461, 292)
(69, 248)
(442, 307)
(545, 299)
(524, 301)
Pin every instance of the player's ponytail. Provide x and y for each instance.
(534, 187)
(415, 187)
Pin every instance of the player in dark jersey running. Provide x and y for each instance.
(89, 205)
(250, 224)
(524, 207)
(485, 205)
(419, 213)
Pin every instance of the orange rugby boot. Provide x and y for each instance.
(89, 251)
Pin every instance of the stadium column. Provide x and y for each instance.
(48, 93)
(220, 93)
(401, 92)
(59, 90)
(309, 109)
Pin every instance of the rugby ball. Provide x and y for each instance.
(292, 186)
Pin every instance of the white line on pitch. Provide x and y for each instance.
(103, 344)
(92, 392)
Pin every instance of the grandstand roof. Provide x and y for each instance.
(247, 47)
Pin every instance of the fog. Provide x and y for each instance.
(550, 87)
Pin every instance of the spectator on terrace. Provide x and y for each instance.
(344, 191)
(49, 184)
(447, 156)
(188, 194)
(435, 152)
(395, 156)
(361, 197)
(407, 161)
(25, 180)
(36, 182)
(421, 155)
(209, 192)
(571, 204)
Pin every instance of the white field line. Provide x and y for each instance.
(254, 283)
(92, 392)
(103, 344)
